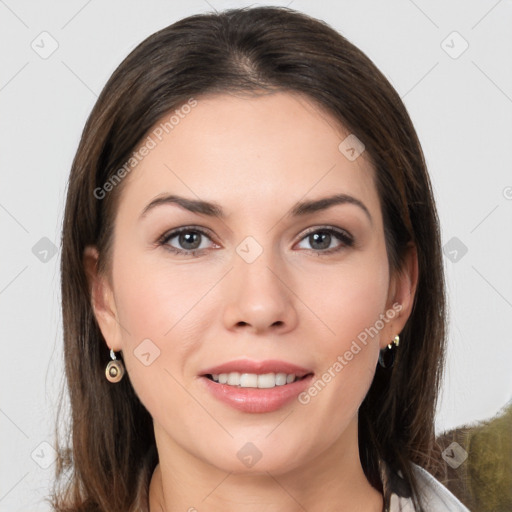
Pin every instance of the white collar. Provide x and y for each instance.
(435, 496)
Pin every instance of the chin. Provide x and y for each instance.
(258, 457)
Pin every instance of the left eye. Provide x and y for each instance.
(321, 240)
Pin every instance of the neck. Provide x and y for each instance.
(333, 480)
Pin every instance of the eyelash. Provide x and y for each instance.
(343, 236)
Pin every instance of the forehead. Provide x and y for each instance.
(248, 151)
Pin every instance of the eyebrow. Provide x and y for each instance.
(213, 209)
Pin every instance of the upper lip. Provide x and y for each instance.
(258, 367)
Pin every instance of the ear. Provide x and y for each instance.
(102, 299)
(402, 290)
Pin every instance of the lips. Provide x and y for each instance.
(258, 367)
(255, 399)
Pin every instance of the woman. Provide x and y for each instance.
(252, 285)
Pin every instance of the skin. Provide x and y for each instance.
(256, 157)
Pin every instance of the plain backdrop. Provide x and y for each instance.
(449, 61)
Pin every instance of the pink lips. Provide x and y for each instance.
(256, 400)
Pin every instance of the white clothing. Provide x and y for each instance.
(436, 497)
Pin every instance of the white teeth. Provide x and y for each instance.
(281, 379)
(267, 380)
(253, 380)
(233, 379)
(248, 380)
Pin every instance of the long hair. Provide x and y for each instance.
(106, 462)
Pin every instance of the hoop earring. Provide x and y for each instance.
(115, 369)
(387, 355)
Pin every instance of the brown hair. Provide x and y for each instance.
(111, 447)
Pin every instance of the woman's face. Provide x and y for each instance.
(268, 280)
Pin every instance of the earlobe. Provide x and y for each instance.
(102, 298)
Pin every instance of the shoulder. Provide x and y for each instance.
(436, 497)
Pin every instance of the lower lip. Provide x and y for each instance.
(256, 400)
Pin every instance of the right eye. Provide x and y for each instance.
(186, 241)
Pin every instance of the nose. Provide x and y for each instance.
(259, 297)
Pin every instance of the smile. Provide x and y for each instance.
(256, 386)
(254, 380)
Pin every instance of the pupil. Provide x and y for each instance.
(323, 238)
(189, 238)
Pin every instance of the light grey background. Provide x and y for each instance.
(461, 106)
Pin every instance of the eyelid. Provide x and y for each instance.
(342, 232)
(171, 233)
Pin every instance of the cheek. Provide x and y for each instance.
(162, 321)
(350, 303)
(155, 298)
(347, 299)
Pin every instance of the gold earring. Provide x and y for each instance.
(396, 342)
(115, 369)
